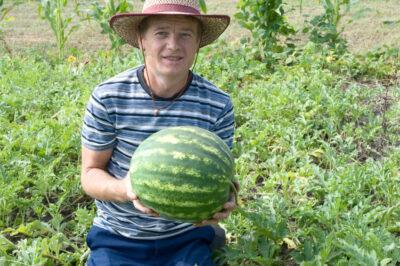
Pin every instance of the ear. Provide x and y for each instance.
(199, 41)
(140, 42)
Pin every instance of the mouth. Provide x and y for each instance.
(173, 58)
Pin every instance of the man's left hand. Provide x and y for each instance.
(229, 206)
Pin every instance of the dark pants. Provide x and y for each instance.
(190, 248)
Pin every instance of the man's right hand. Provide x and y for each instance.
(135, 200)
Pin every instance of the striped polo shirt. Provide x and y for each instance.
(120, 115)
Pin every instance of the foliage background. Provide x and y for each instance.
(316, 145)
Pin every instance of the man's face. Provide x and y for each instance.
(170, 45)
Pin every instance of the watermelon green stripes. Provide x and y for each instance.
(183, 173)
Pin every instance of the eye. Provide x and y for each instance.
(186, 35)
(161, 34)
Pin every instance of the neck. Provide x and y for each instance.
(165, 86)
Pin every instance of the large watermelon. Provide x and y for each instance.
(183, 173)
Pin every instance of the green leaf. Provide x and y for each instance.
(391, 22)
(5, 244)
(203, 6)
(385, 261)
(31, 229)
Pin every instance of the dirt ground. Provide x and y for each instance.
(368, 24)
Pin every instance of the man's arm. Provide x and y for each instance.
(99, 184)
(95, 179)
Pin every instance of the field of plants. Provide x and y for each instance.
(317, 140)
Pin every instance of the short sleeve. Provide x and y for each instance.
(224, 126)
(98, 131)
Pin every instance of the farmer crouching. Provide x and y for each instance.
(126, 109)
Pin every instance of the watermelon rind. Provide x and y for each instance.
(183, 173)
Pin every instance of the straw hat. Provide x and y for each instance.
(126, 25)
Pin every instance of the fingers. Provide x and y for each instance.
(131, 196)
(139, 206)
(228, 207)
(129, 193)
(135, 199)
(231, 203)
(221, 215)
(237, 185)
(217, 217)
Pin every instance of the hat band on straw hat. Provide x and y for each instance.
(166, 8)
(126, 25)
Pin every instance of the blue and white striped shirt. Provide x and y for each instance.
(120, 115)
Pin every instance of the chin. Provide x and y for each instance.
(175, 71)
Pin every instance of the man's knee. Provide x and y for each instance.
(219, 240)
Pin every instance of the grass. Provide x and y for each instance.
(367, 29)
(316, 145)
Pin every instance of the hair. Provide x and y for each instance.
(144, 25)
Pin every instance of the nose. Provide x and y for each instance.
(173, 42)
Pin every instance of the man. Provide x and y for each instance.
(126, 109)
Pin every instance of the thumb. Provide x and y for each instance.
(129, 192)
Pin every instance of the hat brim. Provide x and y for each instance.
(126, 26)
